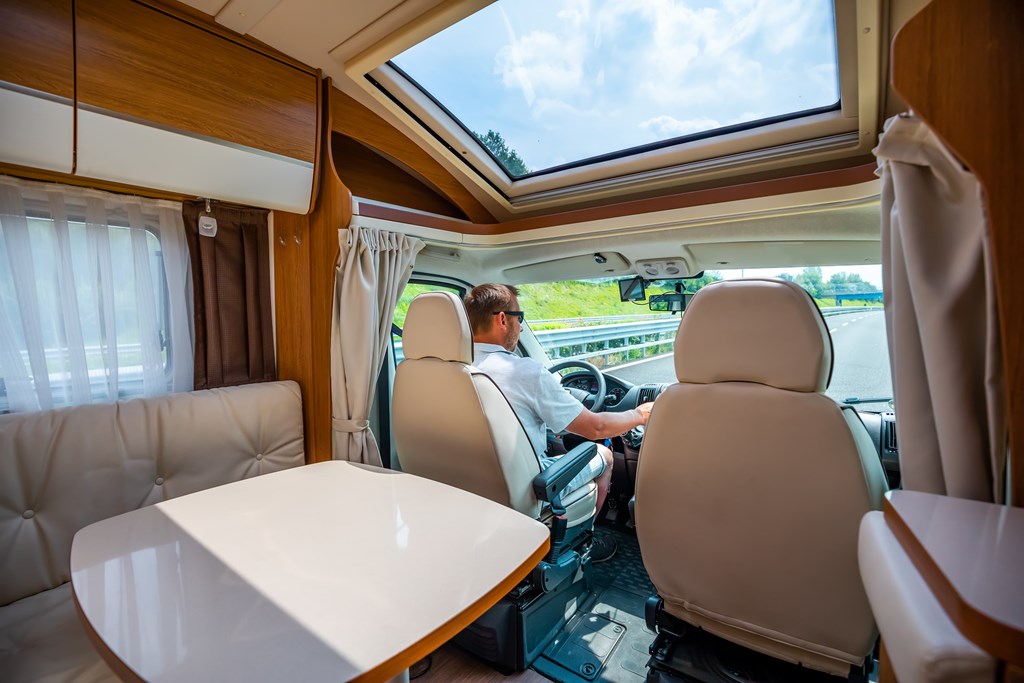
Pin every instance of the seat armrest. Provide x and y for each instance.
(549, 484)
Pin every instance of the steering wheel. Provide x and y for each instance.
(586, 398)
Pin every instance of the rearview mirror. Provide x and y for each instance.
(632, 289)
(670, 302)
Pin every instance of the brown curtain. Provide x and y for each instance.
(231, 282)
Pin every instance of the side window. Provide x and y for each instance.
(87, 306)
(411, 292)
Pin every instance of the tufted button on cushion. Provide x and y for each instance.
(28, 514)
(159, 481)
(259, 456)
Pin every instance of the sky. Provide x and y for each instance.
(872, 274)
(563, 80)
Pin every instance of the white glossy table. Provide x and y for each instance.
(330, 571)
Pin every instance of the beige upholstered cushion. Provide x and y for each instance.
(43, 641)
(765, 331)
(453, 425)
(751, 484)
(436, 326)
(61, 470)
(922, 643)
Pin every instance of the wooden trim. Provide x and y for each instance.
(959, 65)
(403, 660)
(992, 636)
(292, 306)
(351, 118)
(764, 188)
(317, 163)
(82, 181)
(305, 252)
(208, 23)
(885, 672)
(371, 175)
(106, 654)
(146, 65)
(37, 45)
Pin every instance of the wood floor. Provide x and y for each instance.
(452, 665)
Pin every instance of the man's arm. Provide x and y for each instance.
(591, 425)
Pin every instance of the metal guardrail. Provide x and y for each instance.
(602, 341)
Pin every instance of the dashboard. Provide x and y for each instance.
(614, 393)
(621, 395)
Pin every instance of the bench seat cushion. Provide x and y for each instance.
(42, 640)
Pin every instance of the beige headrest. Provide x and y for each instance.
(758, 330)
(437, 326)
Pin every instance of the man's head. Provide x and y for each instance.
(490, 309)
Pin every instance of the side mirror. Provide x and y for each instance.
(670, 302)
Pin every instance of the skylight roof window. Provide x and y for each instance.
(550, 84)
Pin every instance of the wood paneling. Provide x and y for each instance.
(368, 174)
(149, 66)
(765, 188)
(965, 551)
(959, 64)
(37, 45)
(359, 123)
(209, 23)
(885, 672)
(305, 252)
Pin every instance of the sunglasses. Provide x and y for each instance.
(518, 314)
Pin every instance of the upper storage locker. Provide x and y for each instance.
(37, 84)
(167, 104)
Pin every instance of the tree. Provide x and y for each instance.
(693, 284)
(811, 280)
(506, 156)
(786, 276)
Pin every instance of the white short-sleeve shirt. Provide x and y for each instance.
(535, 395)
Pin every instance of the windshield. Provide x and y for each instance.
(585, 320)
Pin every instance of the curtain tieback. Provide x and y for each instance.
(350, 425)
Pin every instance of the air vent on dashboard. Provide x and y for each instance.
(647, 394)
(889, 432)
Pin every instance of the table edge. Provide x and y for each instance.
(991, 635)
(441, 635)
(123, 671)
(386, 669)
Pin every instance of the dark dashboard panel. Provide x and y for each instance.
(614, 392)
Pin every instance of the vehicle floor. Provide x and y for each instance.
(607, 641)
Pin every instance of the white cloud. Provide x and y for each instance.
(602, 75)
(664, 127)
(541, 63)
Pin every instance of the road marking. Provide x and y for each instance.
(832, 330)
(845, 324)
(642, 360)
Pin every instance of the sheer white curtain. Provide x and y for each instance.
(941, 318)
(373, 268)
(95, 300)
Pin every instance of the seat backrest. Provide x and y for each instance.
(61, 470)
(752, 483)
(451, 423)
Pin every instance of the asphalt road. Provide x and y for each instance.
(861, 359)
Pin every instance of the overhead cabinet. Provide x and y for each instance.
(37, 84)
(168, 104)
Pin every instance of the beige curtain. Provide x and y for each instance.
(941, 318)
(372, 270)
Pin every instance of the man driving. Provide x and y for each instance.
(536, 395)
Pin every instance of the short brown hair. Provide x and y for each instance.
(483, 301)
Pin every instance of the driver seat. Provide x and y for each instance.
(452, 424)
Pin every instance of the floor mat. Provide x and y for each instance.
(606, 641)
(625, 570)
